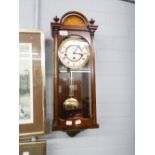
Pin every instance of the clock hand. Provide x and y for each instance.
(77, 53)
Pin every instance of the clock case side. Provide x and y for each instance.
(86, 31)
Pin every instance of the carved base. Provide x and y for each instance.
(73, 133)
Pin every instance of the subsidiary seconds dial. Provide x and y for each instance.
(74, 52)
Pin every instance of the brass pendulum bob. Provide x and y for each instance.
(71, 103)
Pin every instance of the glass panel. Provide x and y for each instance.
(25, 84)
(74, 78)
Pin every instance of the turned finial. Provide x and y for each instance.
(92, 21)
(56, 19)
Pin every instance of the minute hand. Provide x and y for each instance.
(77, 53)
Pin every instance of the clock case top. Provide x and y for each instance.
(74, 23)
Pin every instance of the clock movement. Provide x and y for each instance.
(74, 73)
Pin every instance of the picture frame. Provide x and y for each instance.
(32, 148)
(31, 83)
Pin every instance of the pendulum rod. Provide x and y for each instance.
(71, 94)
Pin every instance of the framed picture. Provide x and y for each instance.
(32, 148)
(31, 83)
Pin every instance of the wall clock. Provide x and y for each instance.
(74, 73)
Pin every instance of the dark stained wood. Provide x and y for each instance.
(76, 24)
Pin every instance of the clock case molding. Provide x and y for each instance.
(74, 23)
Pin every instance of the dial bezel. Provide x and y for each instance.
(75, 40)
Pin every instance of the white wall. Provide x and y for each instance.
(114, 74)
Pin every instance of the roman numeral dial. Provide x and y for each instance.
(74, 52)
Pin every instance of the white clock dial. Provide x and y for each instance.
(74, 52)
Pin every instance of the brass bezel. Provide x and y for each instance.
(72, 38)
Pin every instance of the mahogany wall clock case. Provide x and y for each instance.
(74, 73)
